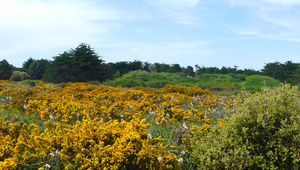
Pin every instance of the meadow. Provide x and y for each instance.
(86, 126)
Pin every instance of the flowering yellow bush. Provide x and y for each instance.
(90, 126)
(90, 144)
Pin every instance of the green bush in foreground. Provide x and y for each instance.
(262, 133)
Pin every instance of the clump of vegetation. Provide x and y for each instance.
(6, 70)
(255, 82)
(19, 76)
(263, 132)
(215, 82)
(144, 78)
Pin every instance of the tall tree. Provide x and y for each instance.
(287, 72)
(6, 70)
(35, 68)
(78, 65)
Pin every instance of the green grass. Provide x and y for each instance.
(219, 84)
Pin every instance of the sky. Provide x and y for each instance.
(210, 33)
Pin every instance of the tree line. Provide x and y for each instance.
(83, 64)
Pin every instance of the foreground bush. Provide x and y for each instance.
(263, 132)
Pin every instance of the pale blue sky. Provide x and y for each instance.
(246, 33)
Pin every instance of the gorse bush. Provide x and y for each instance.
(263, 132)
(99, 127)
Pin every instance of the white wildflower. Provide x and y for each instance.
(48, 166)
(163, 119)
(157, 123)
(185, 126)
(151, 112)
(160, 159)
(52, 154)
(149, 136)
(180, 160)
(57, 152)
(182, 152)
(51, 117)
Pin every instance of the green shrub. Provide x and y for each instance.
(144, 78)
(31, 83)
(19, 76)
(125, 82)
(217, 81)
(254, 83)
(262, 133)
(240, 77)
(157, 83)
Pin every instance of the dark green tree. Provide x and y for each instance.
(287, 72)
(27, 64)
(175, 68)
(78, 65)
(35, 68)
(189, 71)
(6, 70)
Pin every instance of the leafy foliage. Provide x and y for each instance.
(35, 68)
(5, 70)
(254, 83)
(19, 76)
(287, 72)
(263, 132)
(77, 65)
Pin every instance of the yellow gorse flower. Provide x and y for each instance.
(90, 126)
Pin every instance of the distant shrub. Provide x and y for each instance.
(94, 82)
(144, 78)
(19, 76)
(254, 83)
(240, 77)
(31, 83)
(262, 133)
(157, 83)
(126, 82)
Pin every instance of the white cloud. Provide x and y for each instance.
(180, 11)
(278, 19)
(37, 25)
